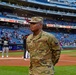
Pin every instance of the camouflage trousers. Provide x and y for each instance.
(42, 71)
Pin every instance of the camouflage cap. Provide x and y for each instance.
(36, 20)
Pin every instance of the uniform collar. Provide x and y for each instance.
(36, 37)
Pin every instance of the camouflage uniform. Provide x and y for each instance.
(44, 53)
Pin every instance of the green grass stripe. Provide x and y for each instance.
(20, 70)
(14, 53)
(65, 70)
(69, 52)
(13, 70)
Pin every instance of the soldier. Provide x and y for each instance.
(43, 47)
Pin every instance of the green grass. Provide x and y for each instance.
(65, 70)
(69, 52)
(20, 53)
(21, 70)
(14, 53)
(13, 70)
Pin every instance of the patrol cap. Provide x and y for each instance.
(36, 20)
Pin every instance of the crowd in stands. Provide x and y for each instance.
(16, 36)
(56, 22)
(11, 16)
(46, 21)
(66, 39)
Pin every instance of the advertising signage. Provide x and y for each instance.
(14, 20)
(61, 26)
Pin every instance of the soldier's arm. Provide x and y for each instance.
(56, 50)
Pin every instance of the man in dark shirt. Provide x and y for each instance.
(26, 54)
(24, 45)
(5, 44)
(0, 44)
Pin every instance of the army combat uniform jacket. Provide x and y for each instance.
(44, 53)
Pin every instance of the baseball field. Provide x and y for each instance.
(15, 64)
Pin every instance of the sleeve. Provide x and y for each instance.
(56, 50)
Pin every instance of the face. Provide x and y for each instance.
(35, 27)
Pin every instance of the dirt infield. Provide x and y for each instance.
(19, 61)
